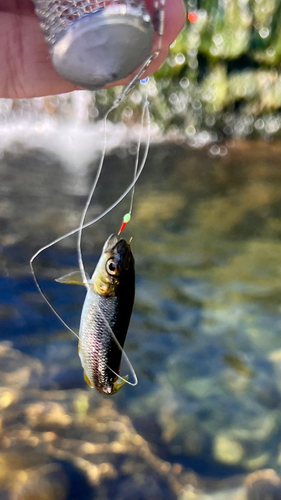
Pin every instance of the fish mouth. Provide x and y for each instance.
(110, 243)
(113, 243)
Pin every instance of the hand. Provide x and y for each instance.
(25, 65)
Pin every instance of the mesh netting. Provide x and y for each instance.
(57, 15)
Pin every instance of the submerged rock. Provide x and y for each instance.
(263, 485)
(228, 450)
(204, 335)
(42, 483)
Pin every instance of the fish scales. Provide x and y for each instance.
(105, 311)
(98, 349)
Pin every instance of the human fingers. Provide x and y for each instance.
(26, 68)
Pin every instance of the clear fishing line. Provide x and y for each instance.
(79, 239)
(127, 216)
(126, 219)
(79, 250)
(84, 277)
(145, 110)
(125, 356)
(87, 204)
(93, 221)
(160, 5)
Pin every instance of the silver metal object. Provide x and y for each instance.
(96, 42)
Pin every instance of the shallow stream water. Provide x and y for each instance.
(204, 336)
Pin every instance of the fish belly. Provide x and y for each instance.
(97, 343)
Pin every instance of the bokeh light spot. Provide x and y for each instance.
(192, 16)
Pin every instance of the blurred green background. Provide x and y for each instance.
(222, 74)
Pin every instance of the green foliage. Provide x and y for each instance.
(224, 65)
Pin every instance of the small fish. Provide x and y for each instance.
(107, 309)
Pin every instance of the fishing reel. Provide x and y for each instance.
(93, 43)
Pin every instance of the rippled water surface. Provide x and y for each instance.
(204, 337)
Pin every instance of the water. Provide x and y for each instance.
(204, 337)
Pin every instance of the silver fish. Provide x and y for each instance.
(107, 308)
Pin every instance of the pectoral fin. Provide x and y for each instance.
(119, 383)
(73, 278)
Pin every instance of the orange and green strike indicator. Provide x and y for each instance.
(126, 219)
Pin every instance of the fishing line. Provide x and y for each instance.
(126, 219)
(44, 296)
(84, 277)
(79, 234)
(91, 222)
(124, 354)
(136, 78)
(79, 250)
(160, 6)
(127, 216)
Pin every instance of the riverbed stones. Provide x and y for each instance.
(227, 450)
(263, 485)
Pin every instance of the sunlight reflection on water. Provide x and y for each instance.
(204, 336)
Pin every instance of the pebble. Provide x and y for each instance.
(227, 450)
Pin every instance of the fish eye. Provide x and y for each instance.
(111, 267)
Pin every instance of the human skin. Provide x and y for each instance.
(25, 65)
